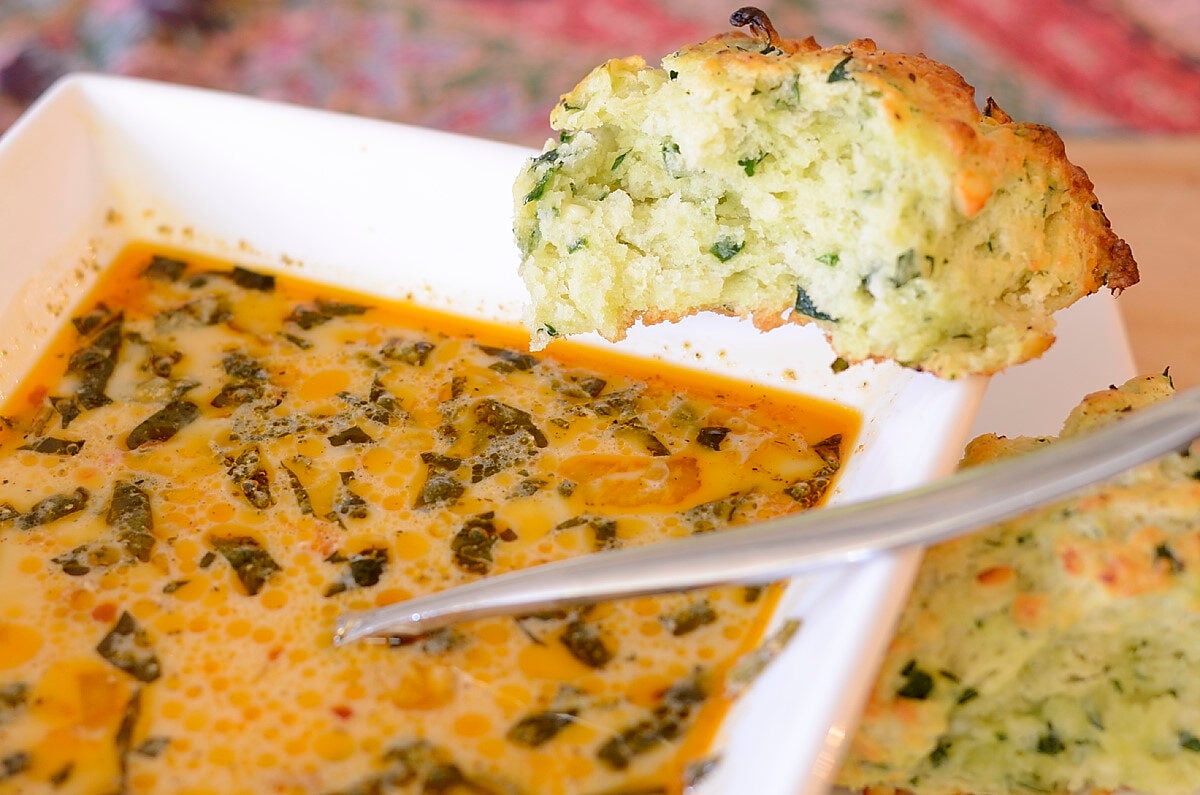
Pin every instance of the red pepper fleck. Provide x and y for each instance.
(37, 395)
(1072, 561)
(274, 653)
(996, 575)
(104, 612)
(342, 711)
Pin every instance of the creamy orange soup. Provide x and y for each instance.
(211, 463)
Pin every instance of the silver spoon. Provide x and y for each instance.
(781, 548)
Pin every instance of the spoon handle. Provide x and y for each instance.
(780, 548)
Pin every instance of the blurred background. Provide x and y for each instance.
(1120, 79)
(495, 67)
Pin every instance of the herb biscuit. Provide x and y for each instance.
(860, 190)
(1055, 652)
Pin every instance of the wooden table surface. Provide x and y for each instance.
(1150, 189)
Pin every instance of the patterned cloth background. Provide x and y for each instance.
(494, 68)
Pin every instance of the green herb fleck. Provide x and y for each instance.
(940, 753)
(830, 450)
(831, 259)
(95, 318)
(711, 436)
(809, 493)
(725, 249)
(60, 776)
(53, 508)
(690, 618)
(906, 268)
(123, 741)
(586, 644)
(637, 739)
(152, 746)
(751, 665)
(14, 764)
(85, 557)
(805, 306)
(296, 340)
(917, 685)
(1050, 743)
(51, 445)
(252, 564)
(352, 435)
(839, 73)
(539, 189)
(697, 771)
(1163, 554)
(67, 407)
(666, 722)
(127, 646)
(509, 360)
(129, 512)
(672, 159)
(167, 269)
(526, 488)
(251, 478)
(363, 570)
(540, 728)
(298, 491)
(251, 280)
(708, 516)
(1189, 741)
(508, 420)
(13, 698)
(94, 362)
(749, 164)
(162, 424)
(309, 316)
(161, 362)
(207, 310)
(635, 429)
(580, 386)
(413, 352)
(604, 530)
(247, 378)
(620, 159)
(237, 393)
(347, 504)
(472, 544)
(440, 486)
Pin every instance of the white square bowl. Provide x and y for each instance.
(399, 211)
